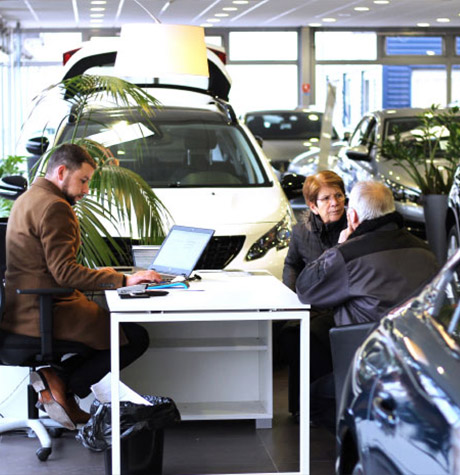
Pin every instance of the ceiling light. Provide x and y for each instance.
(423, 25)
(213, 20)
(94, 20)
(240, 2)
(381, 2)
(96, 15)
(221, 14)
(329, 20)
(97, 9)
(430, 53)
(443, 20)
(314, 24)
(206, 25)
(361, 9)
(98, 2)
(230, 9)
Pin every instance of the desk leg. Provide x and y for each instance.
(304, 441)
(115, 378)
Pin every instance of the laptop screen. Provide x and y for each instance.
(181, 250)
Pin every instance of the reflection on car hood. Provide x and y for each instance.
(284, 149)
(223, 206)
(433, 361)
(390, 170)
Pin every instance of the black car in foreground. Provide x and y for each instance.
(400, 407)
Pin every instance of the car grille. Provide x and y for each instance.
(220, 251)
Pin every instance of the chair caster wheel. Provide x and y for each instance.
(55, 432)
(43, 453)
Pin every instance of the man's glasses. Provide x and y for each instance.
(339, 197)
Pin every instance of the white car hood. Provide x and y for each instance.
(209, 207)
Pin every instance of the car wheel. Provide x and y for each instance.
(358, 469)
(452, 242)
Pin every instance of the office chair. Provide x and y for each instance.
(345, 340)
(20, 350)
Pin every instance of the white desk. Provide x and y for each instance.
(219, 297)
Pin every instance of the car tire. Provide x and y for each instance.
(453, 242)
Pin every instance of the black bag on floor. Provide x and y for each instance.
(96, 434)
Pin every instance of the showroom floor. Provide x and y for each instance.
(190, 448)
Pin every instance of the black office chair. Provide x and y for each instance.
(19, 350)
(345, 340)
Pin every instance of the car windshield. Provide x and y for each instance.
(286, 125)
(410, 127)
(177, 149)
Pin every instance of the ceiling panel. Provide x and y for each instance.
(256, 13)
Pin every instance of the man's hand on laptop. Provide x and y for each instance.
(142, 277)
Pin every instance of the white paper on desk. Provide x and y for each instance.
(103, 393)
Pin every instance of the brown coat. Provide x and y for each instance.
(43, 237)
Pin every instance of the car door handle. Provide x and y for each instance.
(385, 408)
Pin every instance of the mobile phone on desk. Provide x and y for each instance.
(144, 295)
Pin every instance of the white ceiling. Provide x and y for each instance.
(256, 13)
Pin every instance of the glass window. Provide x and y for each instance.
(214, 40)
(262, 87)
(457, 45)
(414, 45)
(286, 125)
(263, 45)
(50, 46)
(176, 148)
(345, 45)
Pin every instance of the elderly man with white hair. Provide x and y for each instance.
(376, 265)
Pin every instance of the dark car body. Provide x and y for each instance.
(453, 216)
(400, 407)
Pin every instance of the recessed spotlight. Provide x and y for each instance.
(423, 25)
(361, 9)
(213, 20)
(230, 9)
(381, 2)
(443, 20)
(222, 15)
(314, 24)
(329, 20)
(96, 15)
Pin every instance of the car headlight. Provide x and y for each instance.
(402, 193)
(277, 237)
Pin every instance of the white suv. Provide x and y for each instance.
(206, 168)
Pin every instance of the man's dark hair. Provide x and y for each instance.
(72, 156)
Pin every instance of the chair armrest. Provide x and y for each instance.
(46, 317)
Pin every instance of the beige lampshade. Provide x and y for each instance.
(157, 49)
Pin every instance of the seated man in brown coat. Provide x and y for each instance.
(42, 241)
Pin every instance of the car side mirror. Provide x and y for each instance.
(37, 146)
(12, 187)
(292, 184)
(358, 152)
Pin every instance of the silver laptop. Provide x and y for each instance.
(180, 251)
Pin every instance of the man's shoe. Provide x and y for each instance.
(52, 395)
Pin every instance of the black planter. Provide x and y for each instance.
(435, 210)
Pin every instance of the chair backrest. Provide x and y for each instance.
(345, 340)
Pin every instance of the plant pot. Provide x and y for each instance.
(435, 211)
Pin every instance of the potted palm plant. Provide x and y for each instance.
(117, 194)
(430, 155)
